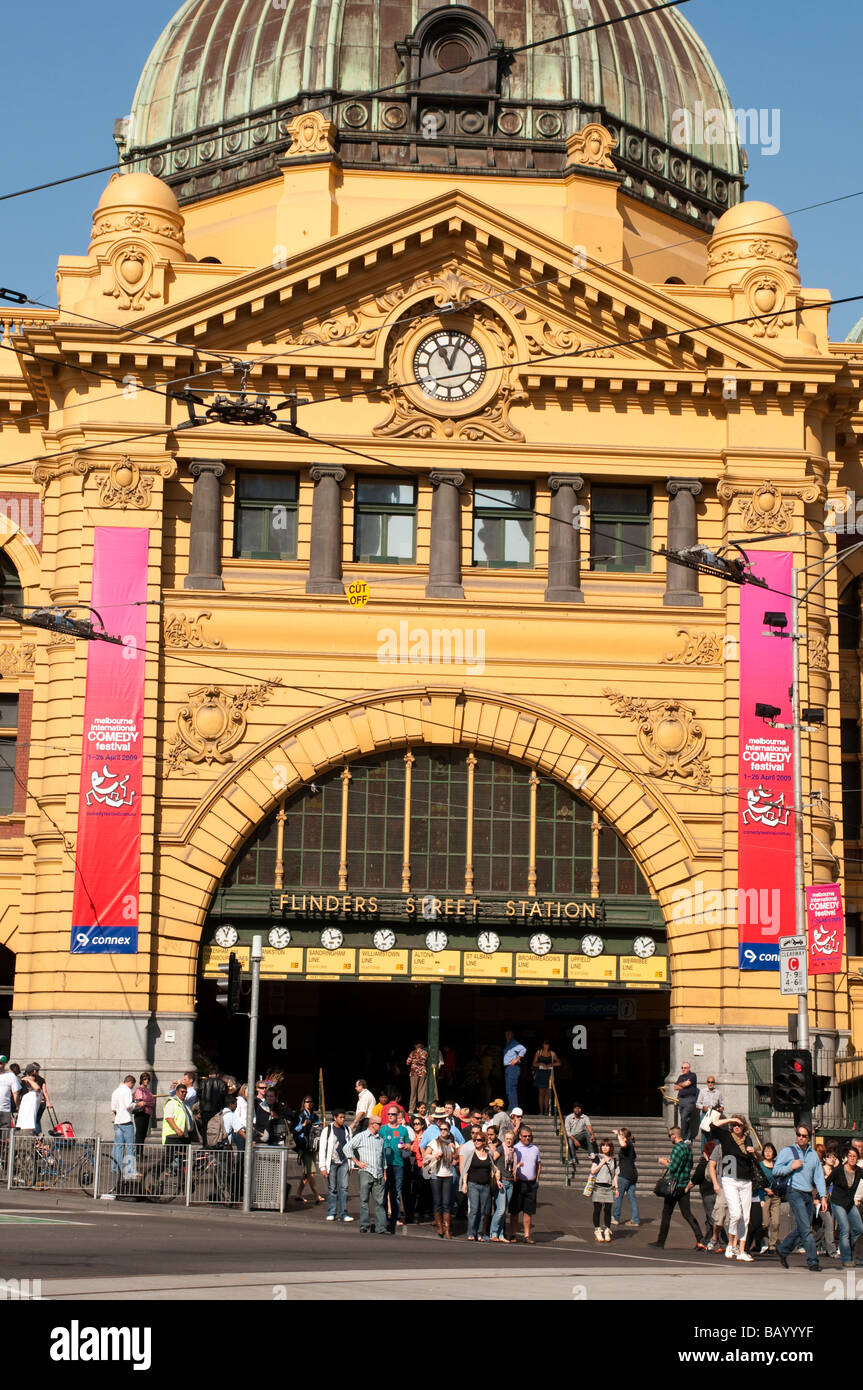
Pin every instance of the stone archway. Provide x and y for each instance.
(193, 863)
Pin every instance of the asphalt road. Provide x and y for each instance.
(81, 1249)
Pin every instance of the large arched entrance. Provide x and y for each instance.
(452, 878)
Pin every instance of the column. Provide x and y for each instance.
(325, 563)
(681, 584)
(445, 562)
(205, 537)
(433, 1043)
(564, 540)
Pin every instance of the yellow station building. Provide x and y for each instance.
(425, 706)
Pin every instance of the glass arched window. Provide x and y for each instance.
(10, 583)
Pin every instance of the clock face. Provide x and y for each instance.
(437, 941)
(279, 937)
(644, 946)
(592, 945)
(488, 941)
(540, 943)
(227, 936)
(384, 939)
(331, 938)
(449, 366)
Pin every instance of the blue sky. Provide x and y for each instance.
(69, 70)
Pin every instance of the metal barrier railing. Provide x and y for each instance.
(43, 1161)
(186, 1173)
(560, 1131)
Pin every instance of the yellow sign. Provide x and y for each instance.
(591, 967)
(494, 967)
(214, 956)
(435, 964)
(319, 961)
(384, 963)
(654, 970)
(531, 967)
(358, 593)
(289, 962)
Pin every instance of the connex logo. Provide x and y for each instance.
(77, 1343)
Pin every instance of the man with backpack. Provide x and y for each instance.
(212, 1095)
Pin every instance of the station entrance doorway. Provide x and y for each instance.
(442, 895)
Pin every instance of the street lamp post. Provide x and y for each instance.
(255, 957)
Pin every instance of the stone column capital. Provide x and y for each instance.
(327, 470)
(454, 478)
(691, 485)
(559, 480)
(199, 466)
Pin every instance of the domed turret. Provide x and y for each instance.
(137, 234)
(227, 77)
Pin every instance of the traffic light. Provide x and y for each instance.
(792, 1081)
(820, 1090)
(229, 988)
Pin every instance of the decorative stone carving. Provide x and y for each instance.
(592, 145)
(137, 237)
(849, 684)
(17, 659)
(759, 249)
(339, 330)
(669, 735)
(543, 338)
(125, 486)
(450, 285)
(311, 134)
(182, 631)
(818, 655)
(211, 724)
(132, 278)
(408, 419)
(766, 293)
(74, 464)
(763, 507)
(699, 649)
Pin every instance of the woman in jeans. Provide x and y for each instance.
(771, 1203)
(509, 1166)
(479, 1178)
(627, 1177)
(849, 1224)
(440, 1166)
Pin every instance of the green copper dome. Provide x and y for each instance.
(226, 76)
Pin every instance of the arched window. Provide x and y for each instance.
(10, 583)
(439, 848)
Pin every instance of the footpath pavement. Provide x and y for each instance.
(80, 1249)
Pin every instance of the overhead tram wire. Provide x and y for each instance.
(370, 94)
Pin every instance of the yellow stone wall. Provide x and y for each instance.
(646, 412)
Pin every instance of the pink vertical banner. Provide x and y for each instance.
(765, 830)
(108, 859)
(826, 922)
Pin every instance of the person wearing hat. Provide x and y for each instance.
(35, 1079)
(10, 1089)
(500, 1119)
(515, 1118)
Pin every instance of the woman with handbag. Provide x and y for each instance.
(604, 1174)
(737, 1168)
(672, 1188)
(440, 1166)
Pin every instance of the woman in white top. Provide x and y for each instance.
(25, 1120)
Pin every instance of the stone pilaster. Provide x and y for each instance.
(205, 539)
(445, 561)
(325, 561)
(681, 584)
(564, 540)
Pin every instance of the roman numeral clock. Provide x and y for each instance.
(452, 368)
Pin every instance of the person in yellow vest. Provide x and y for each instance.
(175, 1118)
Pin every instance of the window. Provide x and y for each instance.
(849, 619)
(8, 752)
(503, 525)
(386, 517)
(620, 529)
(266, 516)
(10, 583)
(850, 748)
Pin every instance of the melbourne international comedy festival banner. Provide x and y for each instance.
(765, 828)
(108, 863)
